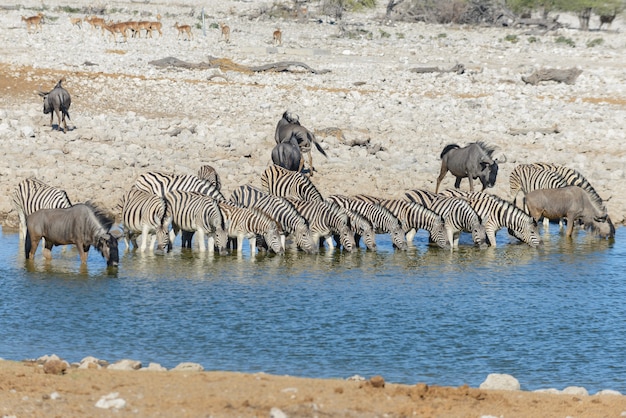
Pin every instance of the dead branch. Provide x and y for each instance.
(175, 62)
(212, 76)
(458, 68)
(567, 76)
(554, 129)
(286, 66)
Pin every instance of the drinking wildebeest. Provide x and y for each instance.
(572, 203)
(287, 155)
(57, 101)
(289, 127)
(83, 225)
(473, 161)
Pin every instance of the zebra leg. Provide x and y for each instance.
(200, 239)
(252, 242)
(455, 240)
(491, 236)
(22, 217)
(211, 243)
(144, 238)
(239, 243)
(410, 235)
(329, 242)
(546, 223)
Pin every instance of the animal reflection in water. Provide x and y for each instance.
(83, 225)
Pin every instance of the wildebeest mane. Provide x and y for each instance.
(102, 217)
(448, 148)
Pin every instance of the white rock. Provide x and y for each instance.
(277, 413)
(500, 382)
(125, 364)
(575, 390)
(111, 401)
(188, 367)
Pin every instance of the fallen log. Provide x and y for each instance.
(554, 129)
(226, 64)
(286, 66)
(458, 68)
(567, 76)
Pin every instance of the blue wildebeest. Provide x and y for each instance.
(287, 155)
(57, 101)
(473, 161)
(83, 224)
(573, 203)
(289, 127)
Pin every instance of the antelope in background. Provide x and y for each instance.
(77, 21)
(186, 29)
(115, 28)
(607, 19)
(277, 37)
(225, 32)
(33, 21)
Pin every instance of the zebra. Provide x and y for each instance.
(32, 194)
(457, 215)
(208, 173)
(196, 212)
(361, 227)
(161, 183)
(145, 213)
(528, 177)
(248, 223)
(497, 213)
(282, 182)
(382, 219)
(327, 221)
(280, 209)
(413, 217)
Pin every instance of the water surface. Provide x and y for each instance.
(551, 317)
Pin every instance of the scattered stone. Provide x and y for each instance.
(377, 381)
(277, 413)
(55, 366)
(111, 401)
(356, 378)
(575, 390)
(609, 392)
(188, 367)
(154, 367)
(500, 382)
(125, 364)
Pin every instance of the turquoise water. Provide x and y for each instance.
(551, 317)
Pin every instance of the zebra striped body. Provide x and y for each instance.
(412, 217)
(528, 177)
(457, 215)
(290, 184)
(163, 183)
(497, 213)
(208, 173)
(195, 212)
(280, 209)
(248, 223)
(382, 219)
(31, 195)
(146, 214)
(326, 220)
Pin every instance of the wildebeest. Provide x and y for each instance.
(57, 101)
(573, 203)
(287, 155)
(83, 224)
(288, 127)
(473, 161)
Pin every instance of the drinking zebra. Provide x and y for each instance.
(195, 212)
(280, 209)
(290, 184)
(497, 213)
(248, 223)
(161, 183)
(528, 177)
(457, 215)
(146, 214)
(31, 195)
(382, 219)
(208, 173)
(360, 226)
(326, 221)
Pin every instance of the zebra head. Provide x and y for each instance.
(273, 240)
(479, 234)
(346, 238)
(398, 239)
(221, 240)
(304, 240)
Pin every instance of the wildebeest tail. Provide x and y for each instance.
(448, 148)
(317, 144)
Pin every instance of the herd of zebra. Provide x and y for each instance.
(290, 212)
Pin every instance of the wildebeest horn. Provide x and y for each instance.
(501, 161)
(600, 218)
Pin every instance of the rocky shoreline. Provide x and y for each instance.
(382, 125)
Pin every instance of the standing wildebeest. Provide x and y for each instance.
(289, 127)
(82, 224)
(287, 155)
(57, 101)
(473, 161)
(573, 203)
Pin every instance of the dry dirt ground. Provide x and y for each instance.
(27, 391)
